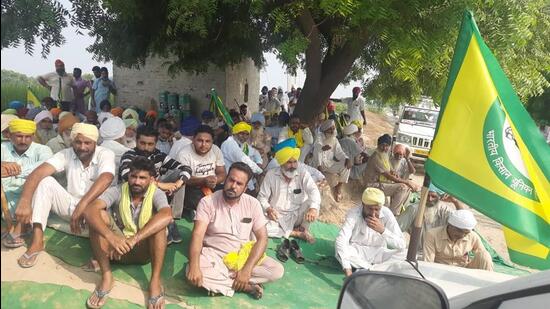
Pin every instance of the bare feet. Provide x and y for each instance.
(255, 290)
(303, 235)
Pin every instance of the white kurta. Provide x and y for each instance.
(233, 152)
(291, 199)
(353, 150)
(119, 150)
(332, 161)
(315, 173)
(359, 246)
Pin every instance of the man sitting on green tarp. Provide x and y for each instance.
(128, 225)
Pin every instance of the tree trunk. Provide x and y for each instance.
(323, 75)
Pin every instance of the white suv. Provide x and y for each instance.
(415, 129)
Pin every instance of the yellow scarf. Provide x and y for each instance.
(297, 136)
(386, 161)
(235, 260)
(125, 212)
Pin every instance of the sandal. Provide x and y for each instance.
(13, 240)
(283, 251)
(28, 260)
(296, 252)
(102, 295)
(153, 300)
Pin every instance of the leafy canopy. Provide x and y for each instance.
(404, 47)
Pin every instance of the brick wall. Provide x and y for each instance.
(139, 87)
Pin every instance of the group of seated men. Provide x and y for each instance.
(128, 198)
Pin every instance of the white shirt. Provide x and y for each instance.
(355, 233)
(355, 107)
(79, 178)
(233, 152)
(315, 173)
(61, 86)
(178, 146)
(201, 166)
(118, 150)
(286, 196)
(325, 158)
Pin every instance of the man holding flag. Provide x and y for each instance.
(499, 160)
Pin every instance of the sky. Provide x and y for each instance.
(74, 54)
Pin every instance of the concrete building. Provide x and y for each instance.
(139, 87)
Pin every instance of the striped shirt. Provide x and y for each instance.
(163, 164)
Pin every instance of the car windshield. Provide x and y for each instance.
(420, 115)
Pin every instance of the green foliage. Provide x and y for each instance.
(14, 87)
(404, 47)
(25, 21)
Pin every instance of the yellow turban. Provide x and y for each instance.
(87, 130)
(241, 127)
(373, 196)
(10, 111)
(282, 156)
(23, 126)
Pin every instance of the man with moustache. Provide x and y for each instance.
(379, 174)
(437, 212)
(400, 160)
(224, 223)
(207, 170)
(20, 156)
(330, 158)
(128, 226)
(301, 133)
(89, 170)
(370, 235)
(289, 197)
(60, 85)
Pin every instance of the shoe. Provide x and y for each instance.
(283, 250)
(169, 239)
(176, 237)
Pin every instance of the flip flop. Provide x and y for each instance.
(283, 251)
(102, 295)
(13, 240)
(28, 260)
(153, 300)
(296, 252)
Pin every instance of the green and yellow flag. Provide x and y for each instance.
(217, 107)
(489, 153)
(32, 98)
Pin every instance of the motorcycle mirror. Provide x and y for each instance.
(372, 289)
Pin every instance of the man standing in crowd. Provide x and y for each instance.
(60, 85)
(102, 89)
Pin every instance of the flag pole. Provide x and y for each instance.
(418, 221)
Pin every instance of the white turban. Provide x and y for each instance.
(351, 129)
(6, 121)
(463, 219)
(87, 130)
(103, 116)
(327, 124)
(113, 128)
(43, 115)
